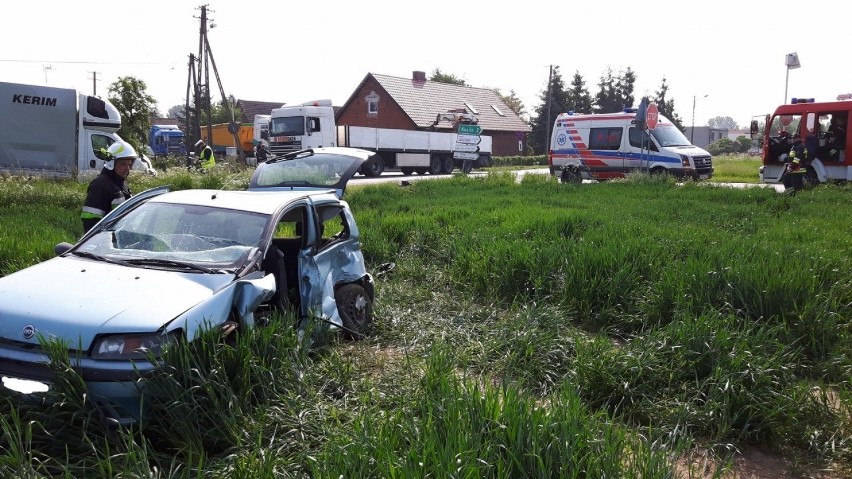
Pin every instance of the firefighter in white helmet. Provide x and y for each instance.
(109, 189)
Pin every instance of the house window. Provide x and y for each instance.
(470, 108)
(372, 104)
(498, 110)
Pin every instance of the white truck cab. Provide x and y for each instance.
(298, 127)
(610, 145)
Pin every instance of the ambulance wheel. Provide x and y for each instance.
(447, 165)
(407, 171)
(570, 175)
(435, 166)
(659, 171)
(355, 309)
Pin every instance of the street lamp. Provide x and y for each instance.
(692, 132)
(792, 62)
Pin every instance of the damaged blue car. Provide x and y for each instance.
(190, 260)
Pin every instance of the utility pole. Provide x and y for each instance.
(94, 83)
(202, 88)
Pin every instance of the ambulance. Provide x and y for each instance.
(611, 145)
(823, 127)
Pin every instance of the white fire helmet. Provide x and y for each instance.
(118, 150)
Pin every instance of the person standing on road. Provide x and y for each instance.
(205, 155)
(109, 189)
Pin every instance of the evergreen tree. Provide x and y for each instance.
(579, 98)
(442, 77)
(666, 106)
(513, 102)
(615, 93)
(624, 89)
(605, 101)
(539, 138)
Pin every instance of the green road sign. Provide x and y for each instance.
(469, 129)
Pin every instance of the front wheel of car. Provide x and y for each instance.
(355, 308)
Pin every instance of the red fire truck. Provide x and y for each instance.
(823, 129)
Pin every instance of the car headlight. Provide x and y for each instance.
(132, 346)
(684, 161)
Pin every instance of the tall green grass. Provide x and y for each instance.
(529, 329)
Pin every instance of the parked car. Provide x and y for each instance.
(166, 265)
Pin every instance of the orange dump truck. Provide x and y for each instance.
(222, 138)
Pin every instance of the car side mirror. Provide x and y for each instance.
(754, 127)
(61, 248)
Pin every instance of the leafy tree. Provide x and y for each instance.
(539, 138)
(219, 112)
(513, 102)
(744, 142)
(723, 146)
(666, 106)
(135, 106)
(579, 98)
(176, 112)
(723, 122)
(439, 76)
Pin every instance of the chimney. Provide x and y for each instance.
(418, 76)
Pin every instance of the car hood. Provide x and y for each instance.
(75, 299)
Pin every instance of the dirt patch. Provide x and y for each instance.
(749, 463)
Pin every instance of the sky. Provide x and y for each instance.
(725, 58)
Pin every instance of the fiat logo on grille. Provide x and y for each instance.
(29, 331)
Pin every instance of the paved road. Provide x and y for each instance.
(397, 177)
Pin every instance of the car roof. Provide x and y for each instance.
(265, 202)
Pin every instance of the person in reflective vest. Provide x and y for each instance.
(205, 155)
(109, 189)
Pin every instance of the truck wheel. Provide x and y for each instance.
(355, 309)
(435, 166)
(407, 170)
(374, 167)
(447, 165)
(421, 171)
(467, 166)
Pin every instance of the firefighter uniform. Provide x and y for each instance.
(108, 189)
(794, 178)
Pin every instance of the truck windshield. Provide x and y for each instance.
(287, 126)
(669, 135)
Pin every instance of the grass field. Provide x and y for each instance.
(529, 329)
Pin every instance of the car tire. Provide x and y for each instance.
(355, 308)
(435, 166)
(407, 171)
(447, 165)
(659, 171)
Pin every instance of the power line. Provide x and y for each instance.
(13, 60)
